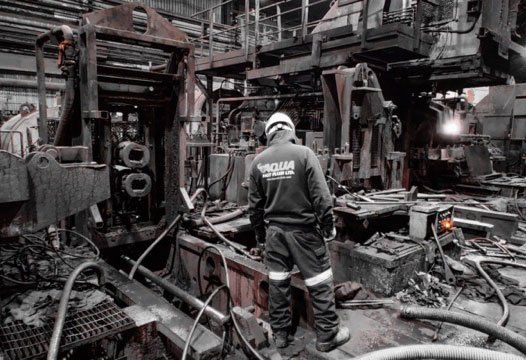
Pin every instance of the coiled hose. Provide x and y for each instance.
(469, 321)
(437, 352)
(54, 343)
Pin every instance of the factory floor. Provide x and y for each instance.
(375, 329)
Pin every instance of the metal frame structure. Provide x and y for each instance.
(98, 86)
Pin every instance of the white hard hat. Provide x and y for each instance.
(277, 121)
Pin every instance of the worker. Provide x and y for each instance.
(291, 212)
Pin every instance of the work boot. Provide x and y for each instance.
(342, 336)
(282, 339)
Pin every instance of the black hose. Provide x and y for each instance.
(221, 218)
(60, 319)
(469, 321)
(239, 332)
(437, 352)
(221, 237)
(505, 308)
(161, 236)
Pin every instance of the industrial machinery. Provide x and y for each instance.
(147, 170)
(130, 115)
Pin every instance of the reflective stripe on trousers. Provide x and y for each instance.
(307, 250)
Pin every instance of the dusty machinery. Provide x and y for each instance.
(373, 66)
(114, 174)
(130, 115)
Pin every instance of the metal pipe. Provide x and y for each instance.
(247, 27)
(194, 302)
(437, 352)
(30, 84)
(63, 305)
(256, 35)
(276, 96)
(470, 321)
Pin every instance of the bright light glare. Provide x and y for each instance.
(451, 127)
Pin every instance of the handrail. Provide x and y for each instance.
(258, 25)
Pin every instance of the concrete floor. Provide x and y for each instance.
(374, 329)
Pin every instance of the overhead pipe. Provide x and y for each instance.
(30, 84)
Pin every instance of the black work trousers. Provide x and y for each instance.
(305, 247)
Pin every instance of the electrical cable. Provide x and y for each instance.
(91, 243)
(221, 237)
(239, 332)
(505, 308)
(162, 235)
(198, 317)
(450, 305)
(29, 257)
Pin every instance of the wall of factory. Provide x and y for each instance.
(180, 7)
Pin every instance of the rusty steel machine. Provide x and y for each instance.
(113, 173)
(130, 115)
(149, 162)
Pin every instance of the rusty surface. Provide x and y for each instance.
(359, 126)
(248, 278)
(121, 18)
(47, 191)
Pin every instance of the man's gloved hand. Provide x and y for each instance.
(258, 252)
(328, 234)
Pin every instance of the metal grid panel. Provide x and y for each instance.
(19, 341)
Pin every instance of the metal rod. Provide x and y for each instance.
(211, 37)
(31, 84)
(276, 96)
(256, 35)
(304, 17)
(247, 24)
(278, 12)
(194, 302)
(457, 294)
